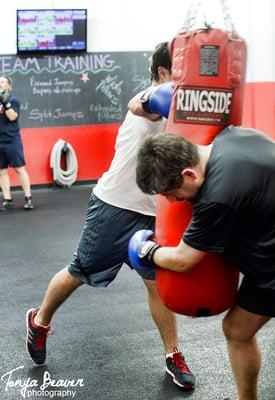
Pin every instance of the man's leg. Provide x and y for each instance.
(240, 328)
(62, 285)
(26, 185)
(60, 288)
(164, 318)
(24, 180)
(166, 323)
(5, 183)
(86, 262)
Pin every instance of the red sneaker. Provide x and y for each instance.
(36, 338)
(176, 367)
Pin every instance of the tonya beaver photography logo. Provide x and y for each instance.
(49, 387)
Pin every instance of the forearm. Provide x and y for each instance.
(136, 108)
(181, 258)
(170, 258)
(8, 104)
(145, 252)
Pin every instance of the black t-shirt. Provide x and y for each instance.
(234, 212)
(9, 130)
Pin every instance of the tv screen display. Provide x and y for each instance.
(52, 30)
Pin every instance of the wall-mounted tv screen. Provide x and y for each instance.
(41, 31)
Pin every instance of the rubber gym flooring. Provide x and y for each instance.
(104, 341)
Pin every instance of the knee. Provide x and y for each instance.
(228, 328)
(3, 172)
(151, 288)
(17, 170)
(233, 330)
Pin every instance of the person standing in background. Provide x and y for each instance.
(11, 146)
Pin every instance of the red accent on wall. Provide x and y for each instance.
(94, 144)
(259, 107)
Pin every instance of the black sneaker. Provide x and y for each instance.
(178, 369)
(28, 203)
(7, 204)
(36, 338)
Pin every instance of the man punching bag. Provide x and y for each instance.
(208, 71)
(206, 95)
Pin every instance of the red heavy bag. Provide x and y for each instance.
(208, 70)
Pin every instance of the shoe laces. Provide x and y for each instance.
(178, 358)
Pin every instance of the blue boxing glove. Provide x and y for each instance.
(142, 248)
(157, 99)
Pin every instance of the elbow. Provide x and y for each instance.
(132, 106)
(129, 106)
(134, 110)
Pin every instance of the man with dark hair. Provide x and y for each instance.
(11, 146)
(159, 59)
(231, 185)
(117, 208)
(161, 160)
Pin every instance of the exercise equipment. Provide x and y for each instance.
(208, 73)
(210, 287)
(63, 177)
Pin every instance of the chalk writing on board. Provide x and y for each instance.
(60, 90)
(107, 113)
(56, 114)
(111, 87)
(141, 82)
(53, 64)
(52, 86)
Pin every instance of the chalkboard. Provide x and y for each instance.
(92, 88)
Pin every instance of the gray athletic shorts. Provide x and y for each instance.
(255, 299)
(103, 244)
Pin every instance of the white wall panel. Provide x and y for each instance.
(123, 25)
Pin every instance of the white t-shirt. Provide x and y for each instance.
(118, 185)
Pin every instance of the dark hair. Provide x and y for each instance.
(160, 161)
(160, 58)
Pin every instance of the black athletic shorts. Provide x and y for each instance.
(255, 299)
(12, 155)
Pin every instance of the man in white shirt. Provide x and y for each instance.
(117, 209)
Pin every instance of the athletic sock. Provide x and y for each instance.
(39, 325)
